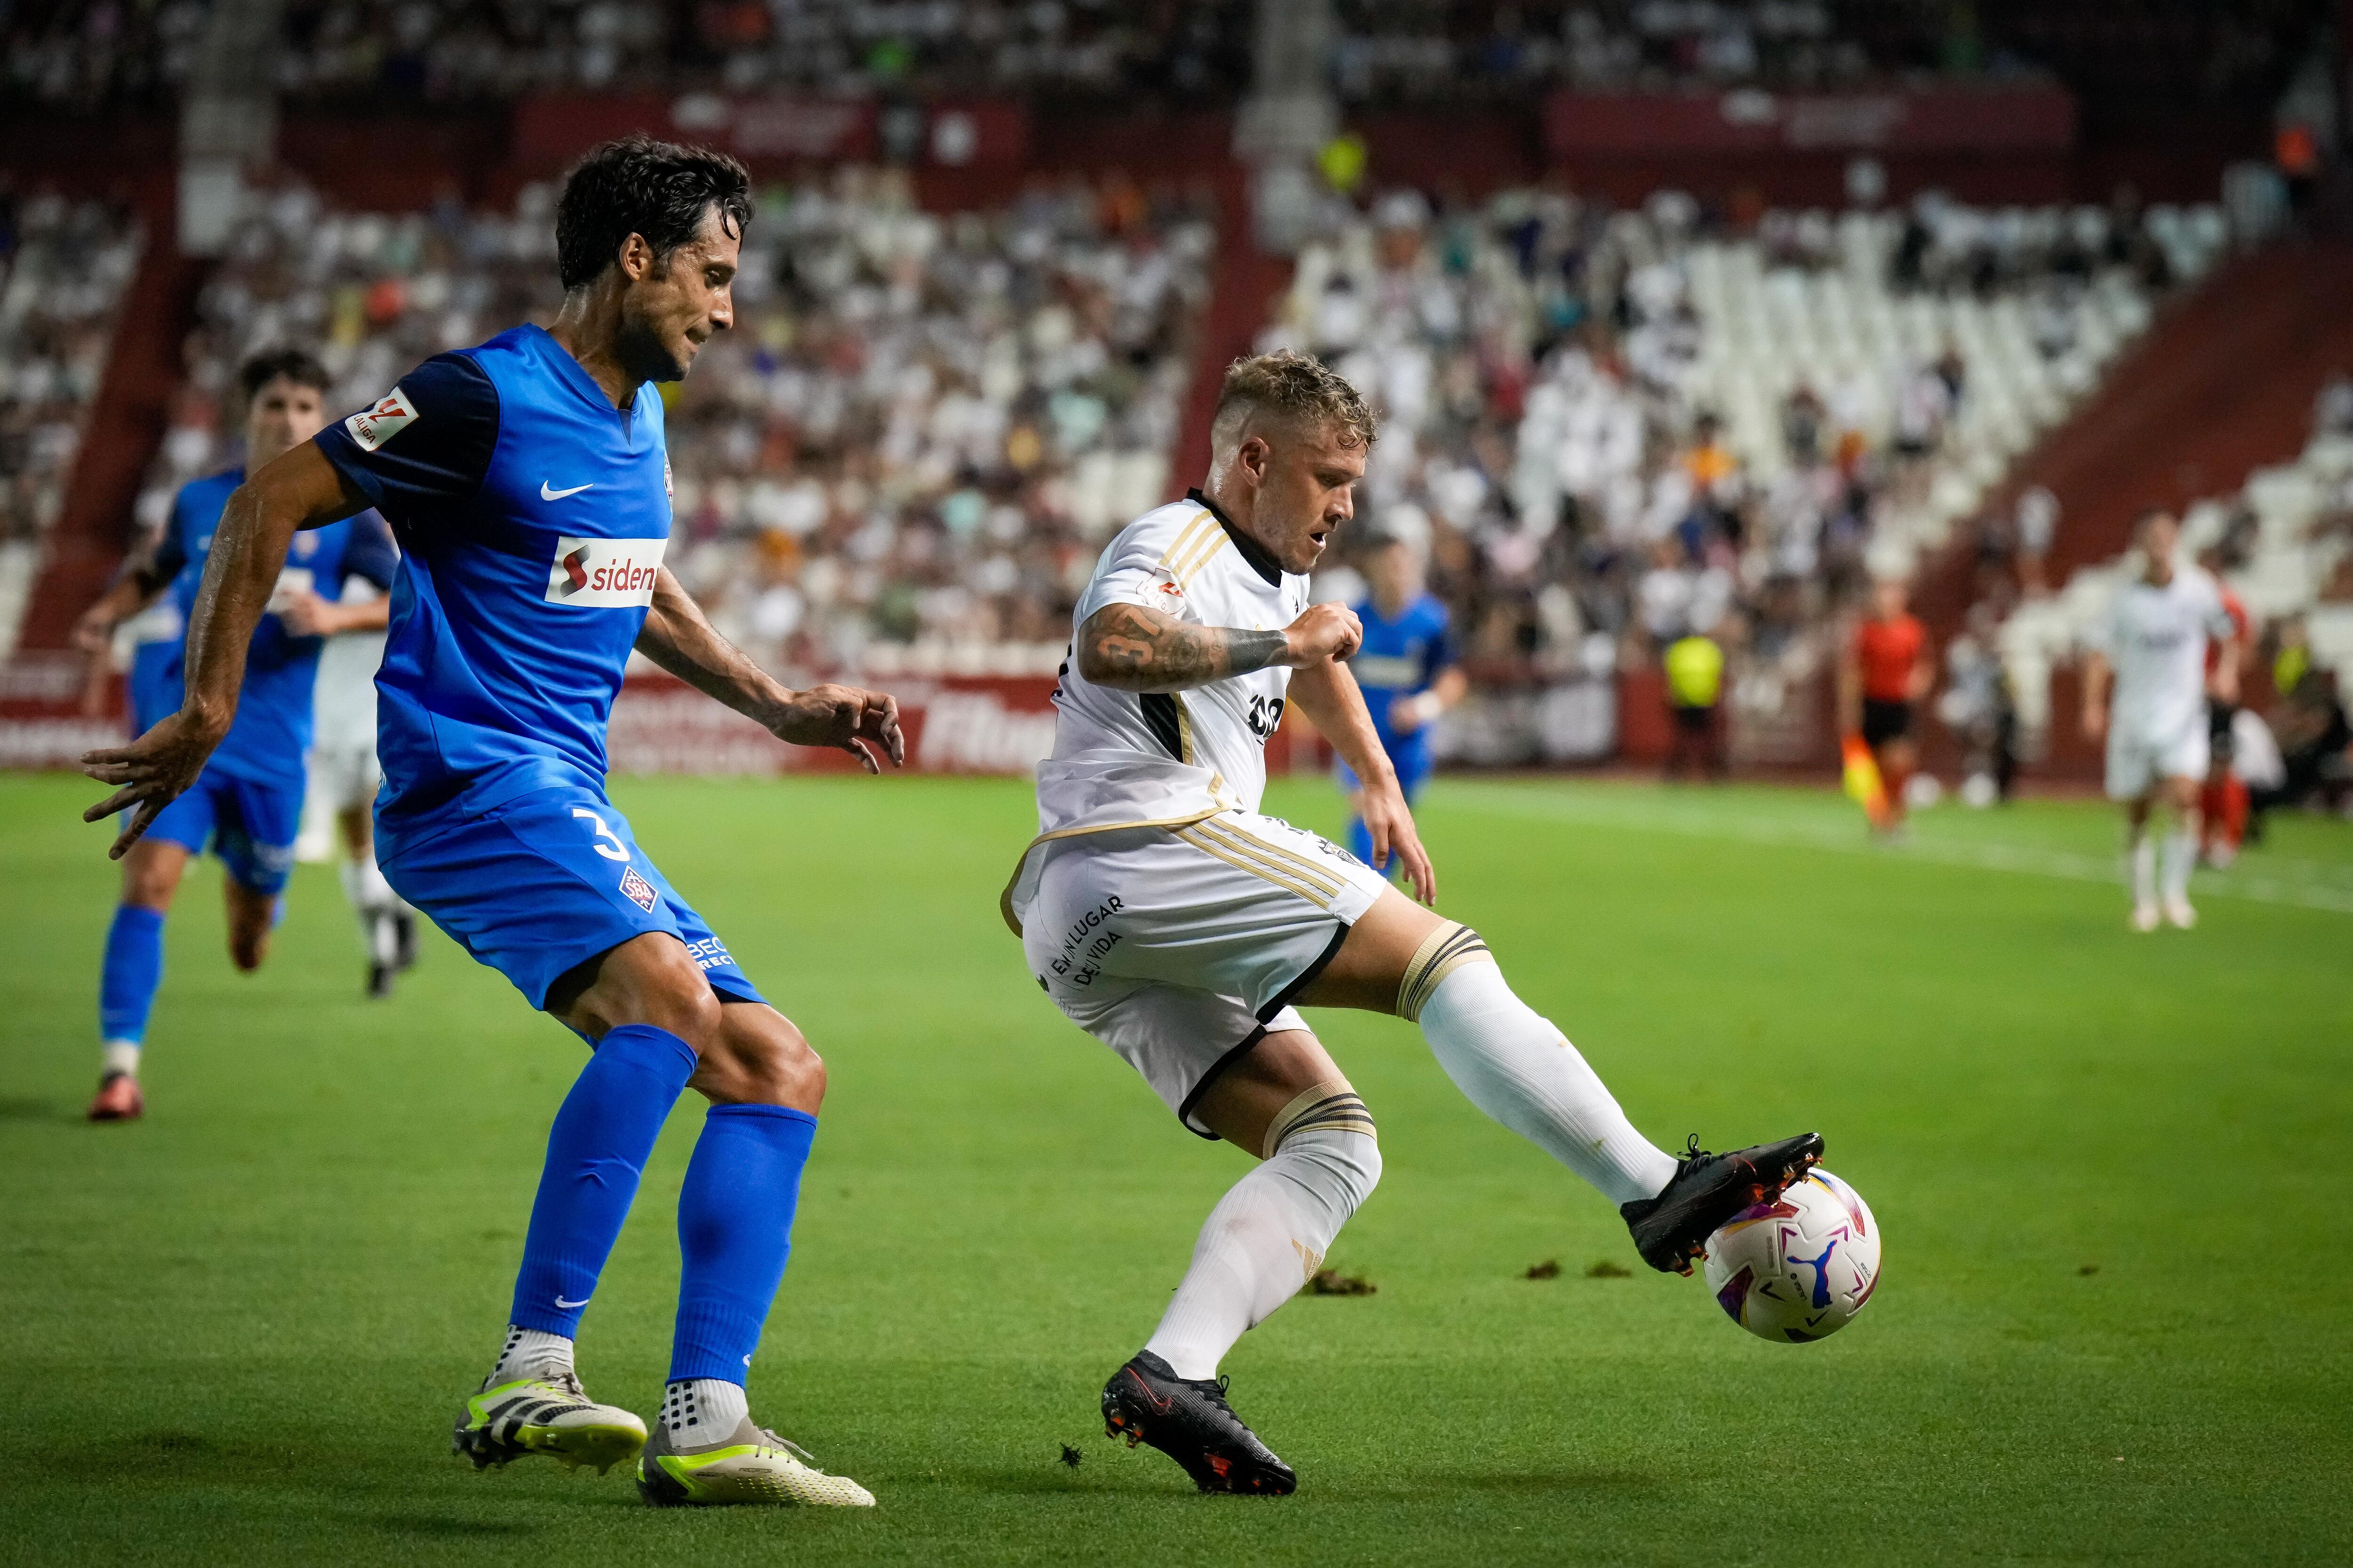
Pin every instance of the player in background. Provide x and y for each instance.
(245, 804)
(1889, 668)
(1406, 671)
(2145, 687)
(2224, 801)
(1175, 923)
(343, 779)
(528, 480)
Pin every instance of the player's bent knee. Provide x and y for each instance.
(1331, 1126)
(757, 1057)
(1442, 952)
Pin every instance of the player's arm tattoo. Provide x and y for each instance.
(1133, 648)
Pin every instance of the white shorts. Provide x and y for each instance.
(1181, 948)
(2137, 765)
(346, 776)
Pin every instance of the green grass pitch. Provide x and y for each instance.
(2110, 1168)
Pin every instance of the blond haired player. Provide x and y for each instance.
(1171, 920)
(2145, 690)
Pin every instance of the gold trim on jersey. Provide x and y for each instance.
(1193, 547)
(1184, 732)
(1005, 899)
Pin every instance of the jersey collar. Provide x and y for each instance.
(573, 374)
(1265, 565)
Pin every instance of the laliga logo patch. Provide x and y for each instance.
(605, 573)
(372, 427)
(637, 891)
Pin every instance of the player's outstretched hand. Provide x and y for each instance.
(1390, 822)
(1321, 632)
(154, 771)
(845, 718)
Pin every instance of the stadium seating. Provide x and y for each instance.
(1619, 423)
(902, 461)
(63, 269)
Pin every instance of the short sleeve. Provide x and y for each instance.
(370, 552)
(1132, 572)
(426, 443)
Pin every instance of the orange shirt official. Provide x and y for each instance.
(1888, 652)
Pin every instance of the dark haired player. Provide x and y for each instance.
(245, 804)
(527, 481)
(1169, 918)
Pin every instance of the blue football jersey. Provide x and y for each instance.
(272, 733)
(1401, 657)
(532, 516)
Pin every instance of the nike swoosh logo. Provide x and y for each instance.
(546, 494)
(567, 1305)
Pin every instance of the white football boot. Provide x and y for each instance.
(750, 1465)
(549, 1415)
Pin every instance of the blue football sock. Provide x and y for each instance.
(734, 1229)
(1360, 840)
(133, 969)
(595, 1152)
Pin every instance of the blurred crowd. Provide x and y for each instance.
(463, 48)
(63, 269)
(1610, 429)
(904, 457)
(89, 54)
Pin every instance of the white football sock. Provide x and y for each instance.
(2143, 870)
(532, 1353)
(2180, 855)
(1510, 1061)
(700, 1410)
(364, 886)
(119, 1056)
(1268, 1236)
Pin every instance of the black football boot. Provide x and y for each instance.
(1671, 1230)
(1146, 1402)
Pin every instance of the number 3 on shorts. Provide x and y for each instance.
(619, 851)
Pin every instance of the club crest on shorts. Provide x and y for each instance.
(637, 891)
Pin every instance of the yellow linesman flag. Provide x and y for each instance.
(1862, 781)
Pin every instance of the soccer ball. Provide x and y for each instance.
(1800, 1266)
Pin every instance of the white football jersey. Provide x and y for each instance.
(343, 704)
(1125, 756)
(2156, 643)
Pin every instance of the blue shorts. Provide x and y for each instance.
(543, 884)
(1413, 771)
(251, 827)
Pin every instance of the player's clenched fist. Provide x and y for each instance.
(1325, 631)
(846, 718)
